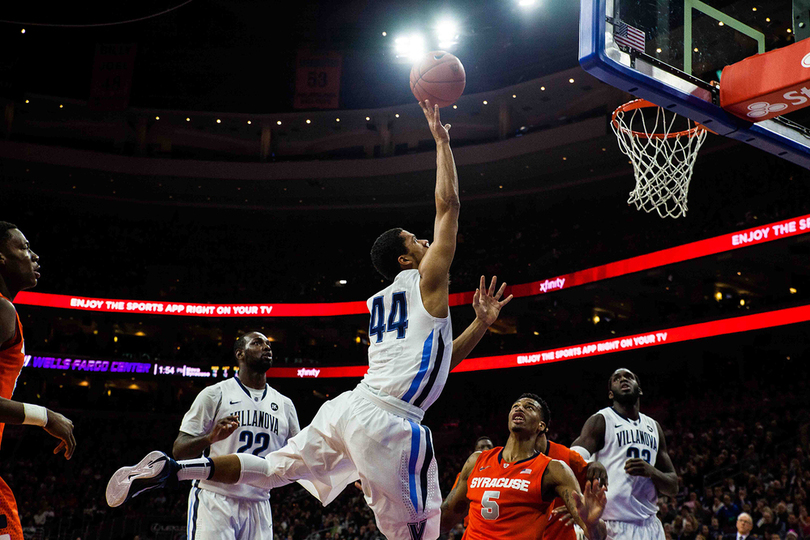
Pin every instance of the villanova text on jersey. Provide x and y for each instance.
(258, 419)
(637, 437)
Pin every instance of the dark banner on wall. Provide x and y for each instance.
(317, 80)
(111, 82)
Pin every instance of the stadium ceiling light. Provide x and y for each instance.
(410, 48)
(447, 33)
(527, 3)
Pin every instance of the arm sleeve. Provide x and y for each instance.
(578, 465)
(200, 418)
(295, 427)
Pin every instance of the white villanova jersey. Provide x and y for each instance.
(266, 420)
(410, 351)
(629, 498)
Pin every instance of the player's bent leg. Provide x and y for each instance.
(316, 457)
(155, 470)
(398, 470)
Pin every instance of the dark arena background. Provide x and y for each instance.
(225, 166)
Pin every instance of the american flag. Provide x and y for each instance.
(626, 35)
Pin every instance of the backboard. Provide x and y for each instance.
(671, 52)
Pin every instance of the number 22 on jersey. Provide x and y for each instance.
(397, 317)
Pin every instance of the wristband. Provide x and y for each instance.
(582, 452)
(35, 415)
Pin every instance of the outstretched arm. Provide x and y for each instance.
(559, 480)
(57, 425)
(456, 505)
(487, 305)
(435, 266)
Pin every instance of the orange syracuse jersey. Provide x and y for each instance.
(556, 530)
(12, 357)
(506, 498)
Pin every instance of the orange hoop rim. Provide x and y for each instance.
(642, 104)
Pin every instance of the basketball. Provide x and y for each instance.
(439, 77)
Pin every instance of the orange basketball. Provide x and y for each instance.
(439, 77)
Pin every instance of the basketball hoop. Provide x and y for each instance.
(662, 158)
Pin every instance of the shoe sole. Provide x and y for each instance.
(121, 483)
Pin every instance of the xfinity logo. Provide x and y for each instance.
(550, 285)
(806, 61)
(304, 372)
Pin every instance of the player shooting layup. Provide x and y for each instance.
(372, 433)
(632, 448)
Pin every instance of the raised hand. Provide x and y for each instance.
(224, 428)
(440, 131)
(591, 503)
(487, 303)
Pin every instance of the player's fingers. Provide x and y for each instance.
(447, 127)
(506, 300)
(483, 283)
(477, 297)
(59, 447)
(500, 291)
(492, 283)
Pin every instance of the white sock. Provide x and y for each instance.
(195, 469)
(256, 471)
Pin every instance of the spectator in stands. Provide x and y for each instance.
(727, 513)
(745, 524)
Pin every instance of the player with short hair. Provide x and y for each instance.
(633, 449)
(483, 443)
(509, 490)
(240, 414)
(374, 432)
(19, 271)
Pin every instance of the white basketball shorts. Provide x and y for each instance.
(212, 516)
(649, 529)
(353, 439)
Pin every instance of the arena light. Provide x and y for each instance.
(410, 47)
(447, 32)
(527, 3)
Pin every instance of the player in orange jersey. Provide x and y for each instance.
(508, 490)
(19, 270)
(558, 529)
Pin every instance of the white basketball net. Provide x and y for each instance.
(662, 158)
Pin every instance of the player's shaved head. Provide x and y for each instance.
(5, 232)
(242, 341)
(610, 379)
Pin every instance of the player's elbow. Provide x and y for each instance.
(448, 203)
(670, 488)
(448, 519)
(181, 450)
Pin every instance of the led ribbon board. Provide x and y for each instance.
(628, 343)
(701, 248)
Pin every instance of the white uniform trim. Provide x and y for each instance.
(410, 351)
